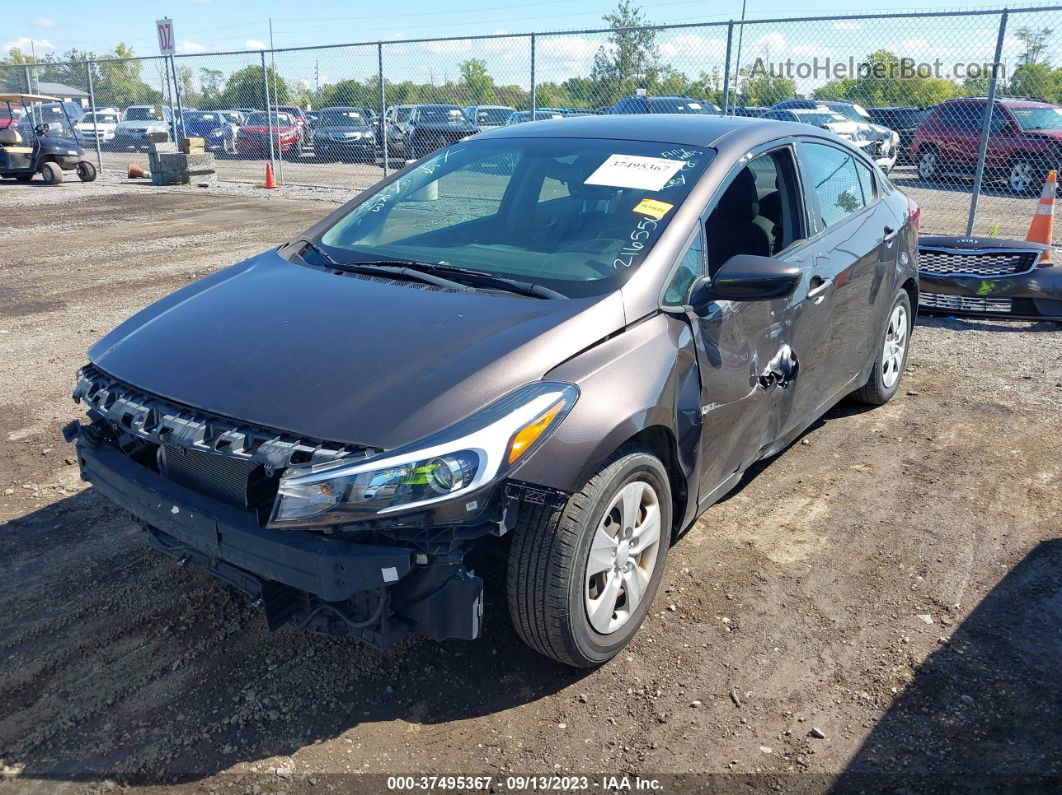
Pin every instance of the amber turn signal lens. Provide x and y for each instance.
(526, 436)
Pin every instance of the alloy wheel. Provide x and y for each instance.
(1021, 177)
(622, 557)
(927, 165)
(895, 347)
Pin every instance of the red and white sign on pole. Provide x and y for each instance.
(165, 31)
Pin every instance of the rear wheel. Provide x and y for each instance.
(1021, 178)
(582, 577)
(928, 164)
(51, 173)
(891, 355)
(86, 172)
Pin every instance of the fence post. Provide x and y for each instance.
(986, 123)
(383, 108)
(95, 118)
(534, 93)
(726, 68)
(178, 121)
(268, 112)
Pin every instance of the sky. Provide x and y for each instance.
(209, 27)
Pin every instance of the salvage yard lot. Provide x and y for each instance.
(891, 582)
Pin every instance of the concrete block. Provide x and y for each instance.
(177, 168)
(193, 145)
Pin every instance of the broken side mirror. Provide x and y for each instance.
(745, 277)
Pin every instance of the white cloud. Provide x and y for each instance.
(45, 22)
(24, 43)
(847, 24)
(811, 51)
(254, 44)
(190, 47)
(773, 42)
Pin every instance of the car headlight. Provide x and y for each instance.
(217, 132)
(445, 466)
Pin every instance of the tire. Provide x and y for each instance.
(888, 368)
(51, 173)
(928, 164)
(1021, 176)
(86, 172)
(549, 589)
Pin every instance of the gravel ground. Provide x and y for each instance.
(882, 599)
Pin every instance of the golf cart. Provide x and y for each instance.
(37, 136)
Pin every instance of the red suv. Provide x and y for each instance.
(1024, 141)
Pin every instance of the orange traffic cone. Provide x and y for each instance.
(1041, 230)
(136, 172)
(269, 181)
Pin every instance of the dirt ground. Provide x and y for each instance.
(879, 606)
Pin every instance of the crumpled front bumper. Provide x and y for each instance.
(322, 583)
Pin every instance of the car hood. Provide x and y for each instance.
(327, 129)
(204, 127)
(141, 125)
(343, 358)
(262, 129)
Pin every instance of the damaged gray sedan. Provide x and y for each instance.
(565, 340)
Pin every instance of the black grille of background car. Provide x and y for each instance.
(962, 303)
(234, 462)
(975, 262)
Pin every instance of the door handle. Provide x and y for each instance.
(820, 288)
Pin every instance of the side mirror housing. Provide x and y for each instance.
(745, 277)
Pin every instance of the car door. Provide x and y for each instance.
(739, 344)
(854, 243)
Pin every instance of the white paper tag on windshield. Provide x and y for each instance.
(635, 171)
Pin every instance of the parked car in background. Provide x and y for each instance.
(338, 424)
(217, 128)
(488, 117)
(676, 104)
(521, 116)
(820, 116)
(904, 120)
(97, 125)
(989, 276)
(750, 111)
(254, 136)
(302, 122)
(344, 133)
(1024, 141)
(139, 120)
(430, 127)
(880, 143)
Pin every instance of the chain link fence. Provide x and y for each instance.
(963, 108)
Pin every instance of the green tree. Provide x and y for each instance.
(210, 81)
(121, 83)
(477, 86)
(245, 89)
(1037, 80)
(1035, 42)
(349, 92)
(630, 60)
(887, 79)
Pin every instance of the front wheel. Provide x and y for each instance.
(582, 576)
(51, 173)
(891, 356)
(1021, 178)
(86, 172)
(928, 164)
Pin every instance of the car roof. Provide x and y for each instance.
(689, 130)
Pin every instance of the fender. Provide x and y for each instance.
(646, 377)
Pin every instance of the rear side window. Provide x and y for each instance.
(835, 179)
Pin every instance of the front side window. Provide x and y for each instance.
(575, 215)
(833, 176)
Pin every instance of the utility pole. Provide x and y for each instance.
(737, 67)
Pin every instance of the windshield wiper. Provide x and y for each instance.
(383, 269)
(480, 278)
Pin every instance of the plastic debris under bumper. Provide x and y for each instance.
(329, 568)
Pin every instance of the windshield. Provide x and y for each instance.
(574, 215)
(1038, 118)
(341, 118)
(853, 112)
(818, 117)
(101, 118)
(441, 114)
(492, 116)
(676, 105)
(203, 118)
(269, 119)
(142, 114)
